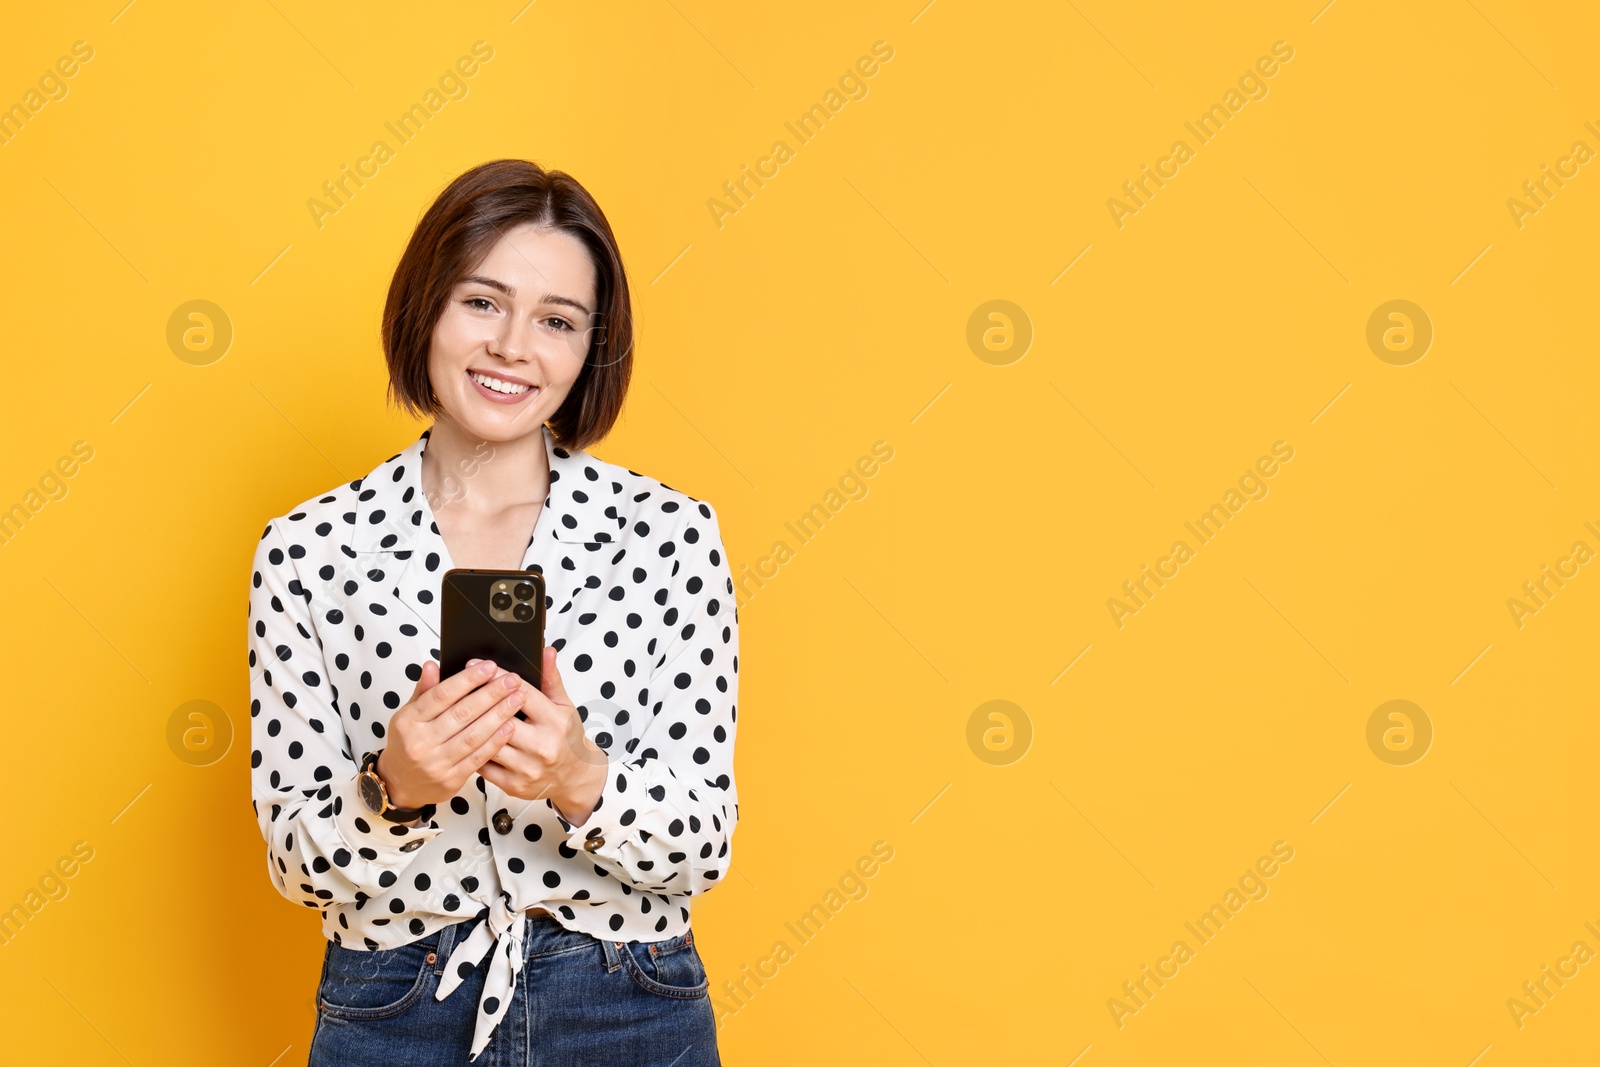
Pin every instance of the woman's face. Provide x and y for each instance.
(513, 335)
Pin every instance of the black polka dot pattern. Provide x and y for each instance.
(343, 611)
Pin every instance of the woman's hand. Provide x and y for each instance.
(550, 756)
(443, 735)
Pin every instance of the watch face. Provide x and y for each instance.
(371, 792)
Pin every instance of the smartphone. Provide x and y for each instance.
(493, 615)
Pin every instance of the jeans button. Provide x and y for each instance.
(502, 821)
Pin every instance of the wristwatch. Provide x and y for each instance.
(376, 797)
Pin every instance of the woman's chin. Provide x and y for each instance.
(497, 423)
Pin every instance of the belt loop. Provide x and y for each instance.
(611, 949)
(447, 937)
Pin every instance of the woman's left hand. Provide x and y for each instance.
(549, 755)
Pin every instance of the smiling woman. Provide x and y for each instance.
(481, 828)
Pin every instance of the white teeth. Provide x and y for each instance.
(497, 385)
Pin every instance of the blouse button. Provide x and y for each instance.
(592, 843)
(502, 821)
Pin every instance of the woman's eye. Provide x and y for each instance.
(474, 301)
(561, 324)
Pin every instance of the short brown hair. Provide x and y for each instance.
(456, 232)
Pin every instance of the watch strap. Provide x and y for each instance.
(390, 813)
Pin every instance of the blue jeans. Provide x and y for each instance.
(579, 1002)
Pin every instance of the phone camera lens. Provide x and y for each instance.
(523, 612)
(501, 601)
(524, 590)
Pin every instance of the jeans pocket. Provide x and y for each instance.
(668, 968)
(379, 984)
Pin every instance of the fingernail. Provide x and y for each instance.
(510, 681)
(470, 662)
(486, 667)
(514, 700)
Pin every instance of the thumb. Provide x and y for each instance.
(550, 679)
(427, 679)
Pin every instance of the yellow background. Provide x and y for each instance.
(829, 313)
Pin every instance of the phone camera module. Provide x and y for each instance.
(523, 612)
(501, 600)
(524, 590)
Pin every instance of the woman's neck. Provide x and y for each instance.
(464, 472)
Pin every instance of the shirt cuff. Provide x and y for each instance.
(604, 831)
(376, 839)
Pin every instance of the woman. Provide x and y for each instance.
(493, 882)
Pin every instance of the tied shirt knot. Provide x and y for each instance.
(506, 931)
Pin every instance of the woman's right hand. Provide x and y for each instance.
(446, 731)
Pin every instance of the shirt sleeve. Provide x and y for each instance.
(323, 846)
(665, 820)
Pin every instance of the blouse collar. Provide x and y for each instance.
(393, 519)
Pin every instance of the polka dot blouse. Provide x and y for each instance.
(344, 610)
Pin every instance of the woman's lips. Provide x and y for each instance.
(499, 398)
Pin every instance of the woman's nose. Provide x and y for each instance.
(513, 339)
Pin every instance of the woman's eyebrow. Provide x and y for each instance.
(550, 298)
(492, 284)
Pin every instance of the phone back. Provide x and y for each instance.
(488, 614)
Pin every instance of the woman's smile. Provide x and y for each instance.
(498, 389)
